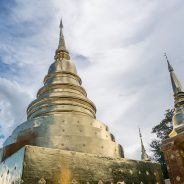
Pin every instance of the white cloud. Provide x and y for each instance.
(13, 104)
(122, 45)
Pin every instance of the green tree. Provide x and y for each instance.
(161, 131)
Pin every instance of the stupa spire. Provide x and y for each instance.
(144, 155)
(178, 116)
(61, 51)
(176, 85)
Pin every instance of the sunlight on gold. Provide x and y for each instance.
(65, 176)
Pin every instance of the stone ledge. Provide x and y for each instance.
(55, 166)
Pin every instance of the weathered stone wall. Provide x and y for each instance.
(37, 165)
(173, 149)
(55, 166)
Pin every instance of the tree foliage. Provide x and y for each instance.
(161, 131)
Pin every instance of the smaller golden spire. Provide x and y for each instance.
(144, 155)
(61, 52)
(178, 116)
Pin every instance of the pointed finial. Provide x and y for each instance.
(170, 68)
(140, 135)
(176, 85)
(61, 24)
(61, 52)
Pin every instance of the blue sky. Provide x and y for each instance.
(117, 48)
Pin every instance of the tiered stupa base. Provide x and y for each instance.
(32, 164)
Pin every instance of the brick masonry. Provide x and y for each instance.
(173, 149)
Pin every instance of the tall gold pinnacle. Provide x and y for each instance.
(61, 52)
(178, 116)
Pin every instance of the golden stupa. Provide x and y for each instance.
(63, 142)
(178, 116)
(173, 147)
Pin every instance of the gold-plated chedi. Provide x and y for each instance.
(63, 142)
(62, 116)
(173, 147)
(178, 117)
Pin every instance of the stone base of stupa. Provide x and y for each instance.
(32, 165)
(173, 149)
